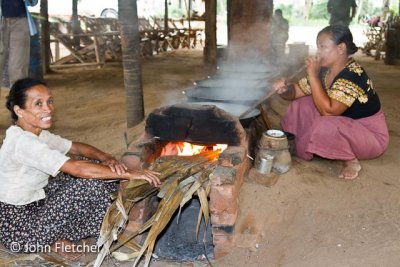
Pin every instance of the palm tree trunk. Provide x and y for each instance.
(210, 49)
(130, 43)
(45, 36)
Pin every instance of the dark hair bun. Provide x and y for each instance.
(352, 48)
(9, 102)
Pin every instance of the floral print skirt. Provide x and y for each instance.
(72, 210)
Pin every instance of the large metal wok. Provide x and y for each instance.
(241, 95)
(246, 76)
(241, 67)
(232, 82)
(233, 109)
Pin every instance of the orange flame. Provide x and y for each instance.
(188, 149)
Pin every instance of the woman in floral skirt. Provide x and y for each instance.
(45, 195)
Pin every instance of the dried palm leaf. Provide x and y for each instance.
(203, 209)
(166, 212)
(182, 177)
(165, 216)
(125, 256)
(116, 216)
(132, 244)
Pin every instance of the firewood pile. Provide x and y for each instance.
(182, 177)
(98, 40)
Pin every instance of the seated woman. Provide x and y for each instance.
(46, 196)
(336, 113)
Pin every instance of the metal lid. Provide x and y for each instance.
(275, 133)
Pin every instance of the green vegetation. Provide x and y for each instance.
(294, 12)
(318, 14)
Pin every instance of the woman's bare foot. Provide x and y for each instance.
(66, 249)
(350, 170)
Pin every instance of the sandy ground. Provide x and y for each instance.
(309, 218)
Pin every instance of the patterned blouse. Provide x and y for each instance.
(352, 87)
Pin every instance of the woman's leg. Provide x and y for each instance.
(19, 49)
(74, 208)
(298, 120)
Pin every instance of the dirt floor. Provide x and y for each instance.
(309, 218)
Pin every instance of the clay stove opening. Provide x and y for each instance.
(206, 126)
(198, 124)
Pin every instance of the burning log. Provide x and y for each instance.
(182, 176)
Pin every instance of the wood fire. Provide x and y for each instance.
(188, 149)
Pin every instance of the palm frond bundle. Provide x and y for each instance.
(182, 177)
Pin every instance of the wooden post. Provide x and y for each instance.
(228, 18)
(75, 24)
(210, 48)
(45, 36)
(166, 17)
(189, 19)
(57, 51)
(130, 44)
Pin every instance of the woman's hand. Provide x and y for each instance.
(115, 165)
(150, 176)
(279, 86)
(313, 64)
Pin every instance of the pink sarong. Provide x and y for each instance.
(334, 137)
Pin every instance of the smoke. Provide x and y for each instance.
(247, 72)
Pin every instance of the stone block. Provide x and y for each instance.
(232, 156)
(223, 175)
(222, 245)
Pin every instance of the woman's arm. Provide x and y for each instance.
(287, 92)
(85, 150)
(87, 169)
(325, 105)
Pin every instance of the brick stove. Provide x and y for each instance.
(202, 125)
